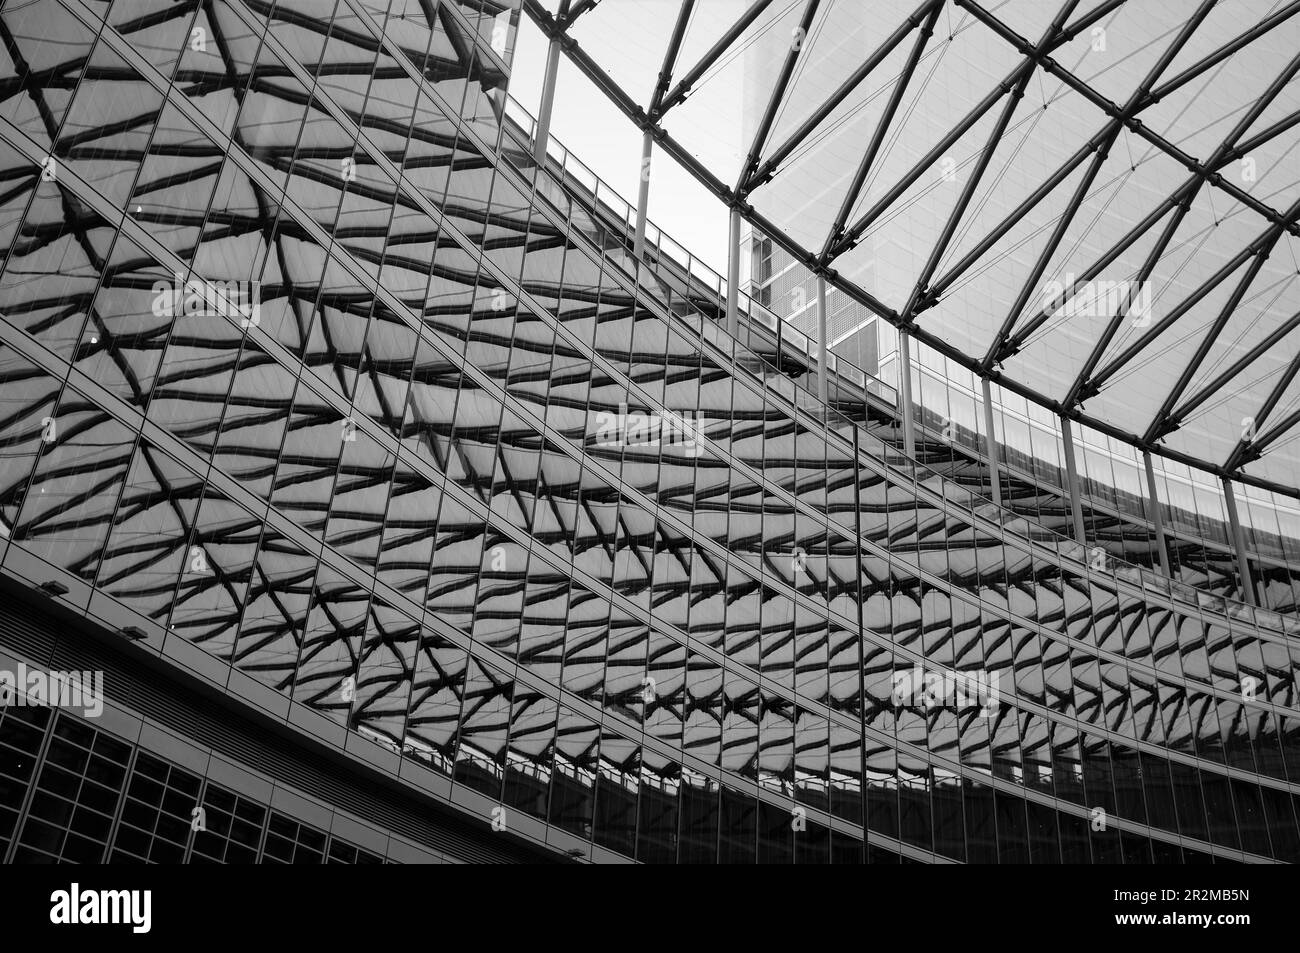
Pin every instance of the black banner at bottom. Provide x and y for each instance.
(346, 905)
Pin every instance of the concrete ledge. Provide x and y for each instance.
(174, 748)
(115, 616)
(401, 852)
(179, 650)
(37, 571)
(363, 835)
(255, 693)
(376, 754)
(428, 779)
(305, 809)
(313, 722)
(239, 780)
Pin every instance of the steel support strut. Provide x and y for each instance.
(1261, 244)
(670, 59)
(1216, 386)
(543, 130)
(692, 76)
(1072, 481)
(1223, 52)
(796, 138)
(822, 392)
(1130, 123)
(1081, 380)
(1160, 424)
(905, 391)
(1249, 447)
(991, 438)
(849, 238)
(920, 298)
(733, 276)
(1157, 518)
(643, 195)
(1278, 429)
(1182, 198)
(1031, 281)
(1239, 544)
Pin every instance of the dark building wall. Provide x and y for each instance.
(122, 784)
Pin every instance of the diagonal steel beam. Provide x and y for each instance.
(1157, 251)
(878, 137)
(947, 279)
(1085, 183)
(1176, 416)
(796, 138)
(1227, 151)
(1272, 132)
(670, 58)
(1223, 52)
(851, 235)
(842, 239)
(1268, 237)
(717, 49)
(920, 298)
(1247, 451)
(1035, 274)
(1160, 425)
(921, 295)
(1282, 426)
(1180, 195)
(567, 16)
(774, 101)
(1133, 125)
(1016, 341)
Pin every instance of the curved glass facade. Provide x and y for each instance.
(306, 364)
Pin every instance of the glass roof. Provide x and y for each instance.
(1096, 204)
